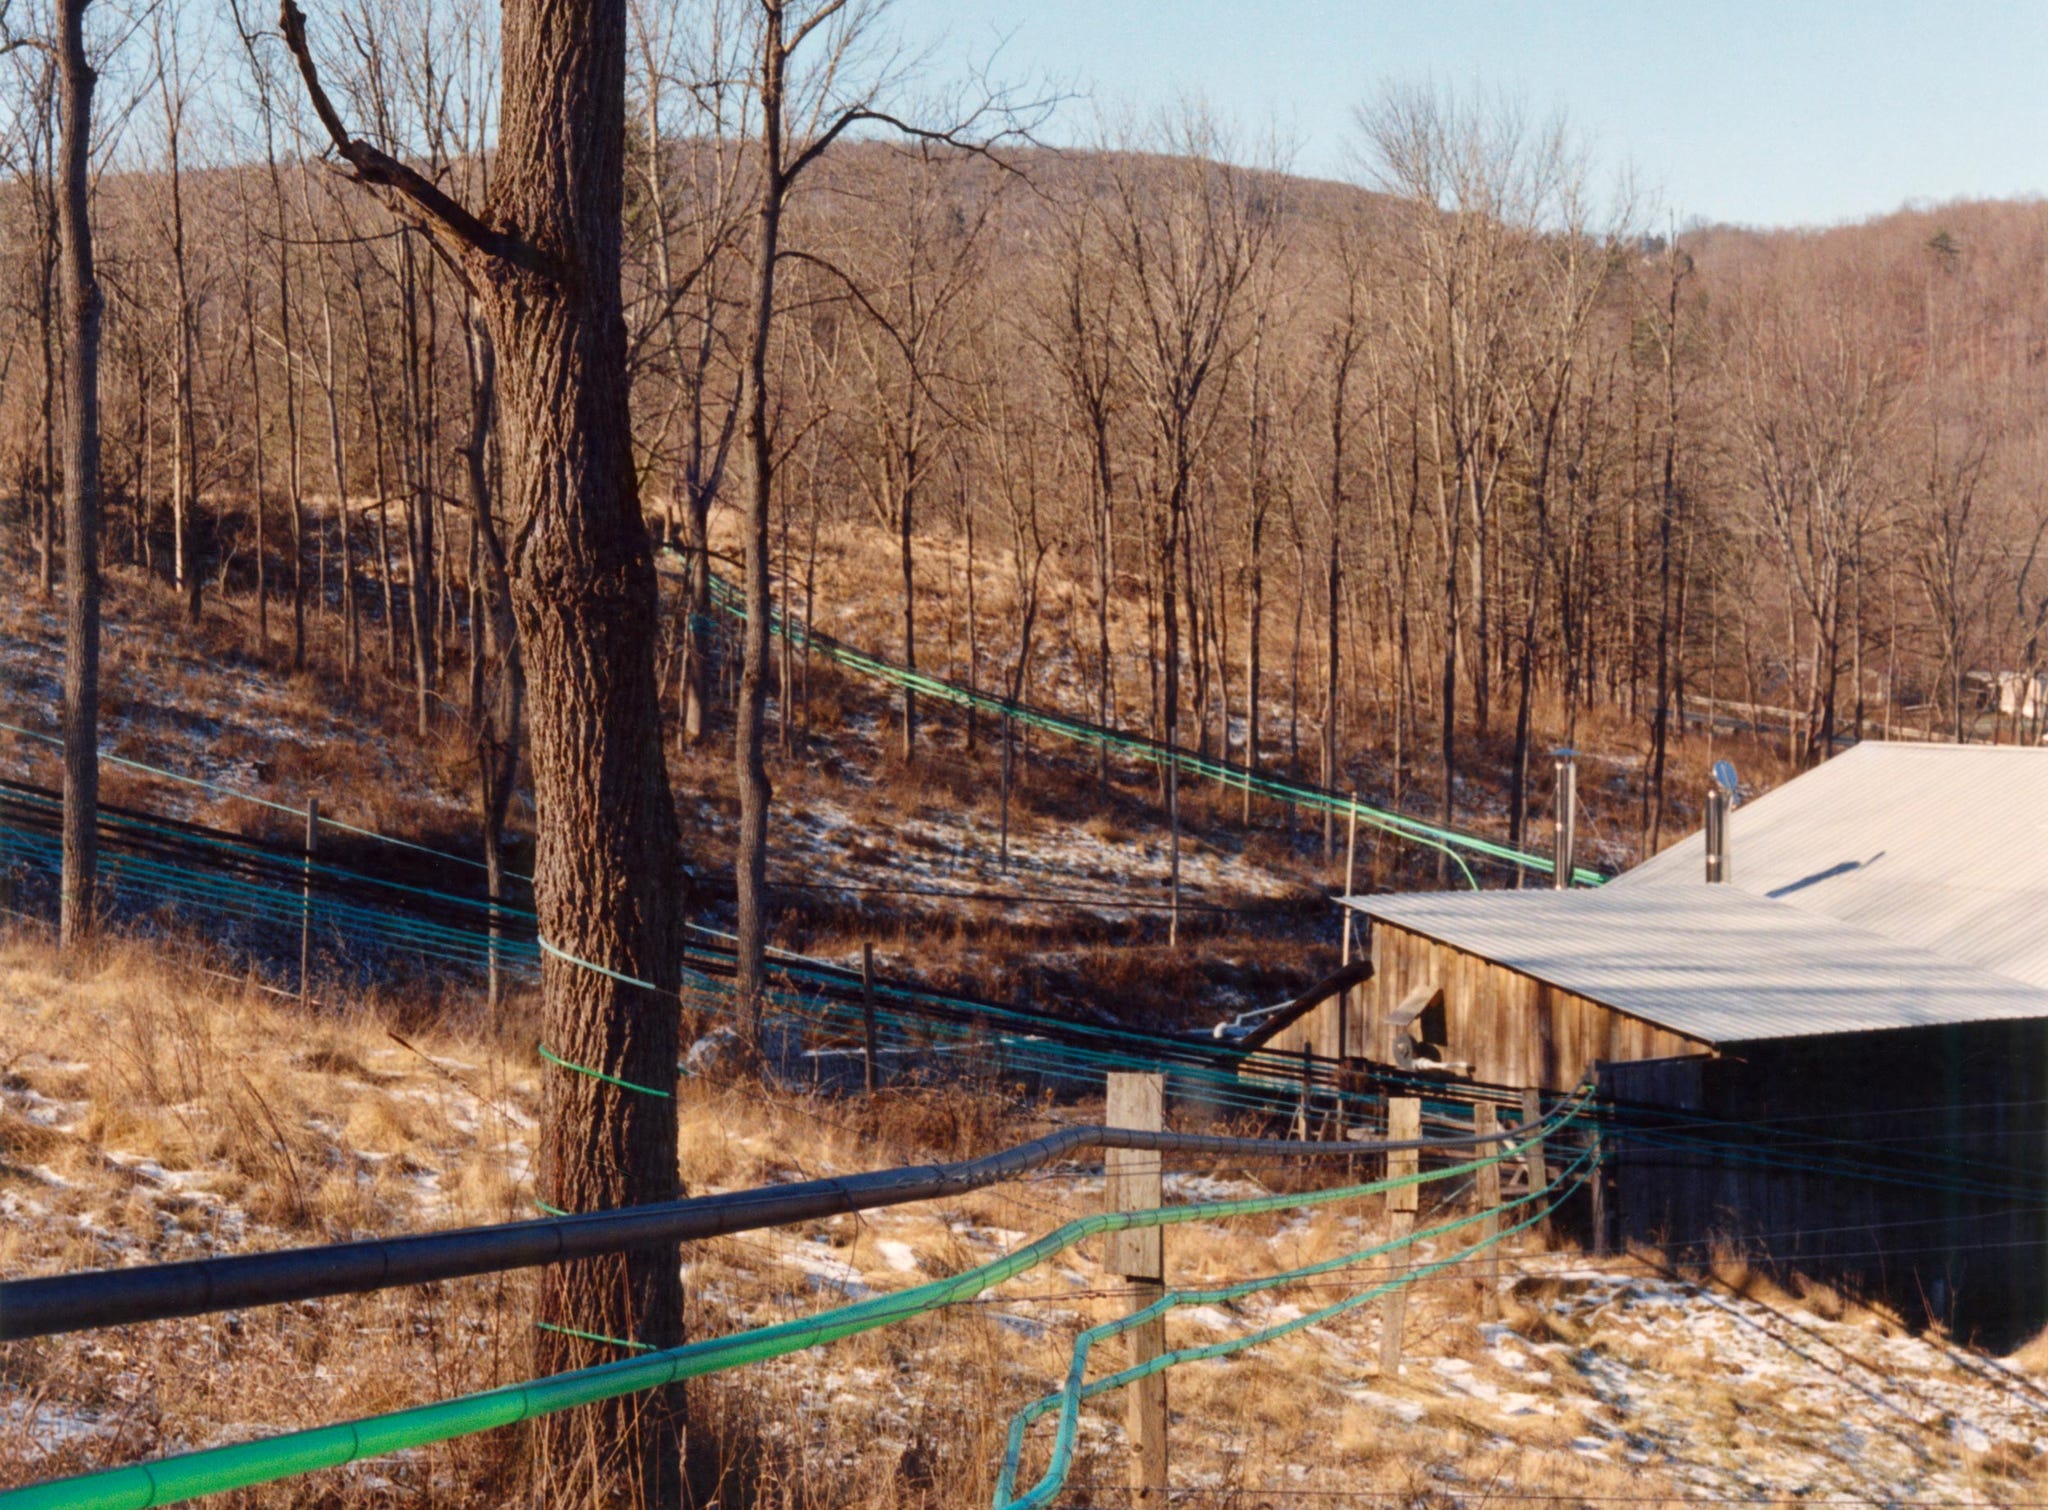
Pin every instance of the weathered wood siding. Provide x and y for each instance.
(1511, 1028)
(1901, 1163)
(1331, 1030)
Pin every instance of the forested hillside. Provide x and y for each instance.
(628, 615)
(1393, 485)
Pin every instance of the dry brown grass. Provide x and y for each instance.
(197, 1117)
(206, 699)
(2031, 1355)
(151, 1112)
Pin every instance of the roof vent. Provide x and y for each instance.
(1566, 803)
(1721, 799)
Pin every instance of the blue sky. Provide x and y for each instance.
(1796, 113)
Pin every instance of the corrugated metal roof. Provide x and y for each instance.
(1943, 846)
(1712, 962)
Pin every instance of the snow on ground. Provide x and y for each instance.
(1593, 1369)
(946, 848)
(188, 704)
(1596, 1368)
(1693, 1391)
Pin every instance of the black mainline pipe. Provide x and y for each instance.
(258, 860)
(194, 1287)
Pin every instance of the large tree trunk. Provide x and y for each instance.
(81, 490)
(607, 874)
(544, 262)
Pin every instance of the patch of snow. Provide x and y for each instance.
(1405, 1411)
(898, 1255)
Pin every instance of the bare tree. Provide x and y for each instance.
(1076, 328)
(1019, 452)
(1816, 395)
(1568, 268)
(82, 310)
(914, 285)
(1472, 179)
(1343, 344)
(80, 488)
(809, 89)
(174, 87)
(694, 186)
(1189, 232)
(542, 260)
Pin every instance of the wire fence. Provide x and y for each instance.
(258, 902)
(246, 1464)
(262, 899)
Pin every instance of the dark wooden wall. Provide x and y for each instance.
(1910, 1165)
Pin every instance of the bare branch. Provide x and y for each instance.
(11, 41)
(453, 228)
(953, 136)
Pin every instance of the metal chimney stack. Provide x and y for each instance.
(1722, 795)
(1566, 804)
(1717, 836)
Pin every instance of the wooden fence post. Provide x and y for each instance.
(867, 1010)
(1307, 1069)
(1132, 1183)
(306, 897)
(1537, 1165)
(1404, 1124)
(1486, 1120)
(1596, 1177)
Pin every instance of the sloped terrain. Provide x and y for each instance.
(1059, 898)
(150, 1112)
(911, 857)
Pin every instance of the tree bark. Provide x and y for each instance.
(607, 876)
(544, 263)
(82, 307)
(750, 864)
